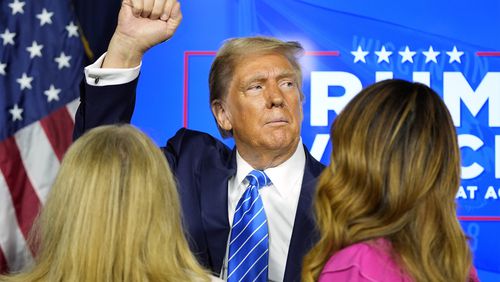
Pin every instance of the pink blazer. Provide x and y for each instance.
(367, 262)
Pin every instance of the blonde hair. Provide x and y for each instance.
(394, 173)
(233, 50)
(113, 214)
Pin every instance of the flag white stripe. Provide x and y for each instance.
(12, 241)
(39, 160)
(72, 107)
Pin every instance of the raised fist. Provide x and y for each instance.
(142, 24)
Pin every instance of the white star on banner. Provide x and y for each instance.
(455, 55)
(72, 30)
(45, 17)
(383, 55)
(2, 68)
(52, 93)
(359, 55)
(407, 55)
(25, 81)
(8, 37)
(17, 7)
(35, 50)
(63, 60)
(16, 113)
(431, 55)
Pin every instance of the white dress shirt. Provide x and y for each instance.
(280, 202)
(280, 199)
(97, 76)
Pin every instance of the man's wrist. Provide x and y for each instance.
(122, 53)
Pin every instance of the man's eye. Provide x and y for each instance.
(288, 84)
(255, 87)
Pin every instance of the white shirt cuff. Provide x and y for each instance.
(97, 76)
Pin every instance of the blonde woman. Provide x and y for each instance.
(113, 214)
(385, 206)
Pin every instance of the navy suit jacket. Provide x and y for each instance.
(202, 165)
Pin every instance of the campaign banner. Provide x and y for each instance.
(451, 47)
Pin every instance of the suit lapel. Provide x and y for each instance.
(304, 233)
(213, 203)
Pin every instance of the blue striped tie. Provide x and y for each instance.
(249, 241)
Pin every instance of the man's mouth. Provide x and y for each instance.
(277, 121)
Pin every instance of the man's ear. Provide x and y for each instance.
(221, 114)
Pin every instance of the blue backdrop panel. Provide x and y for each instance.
(449, 45)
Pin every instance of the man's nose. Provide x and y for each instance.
(274, 96)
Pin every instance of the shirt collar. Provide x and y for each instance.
(282, 176)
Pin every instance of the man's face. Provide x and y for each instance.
(264, 106)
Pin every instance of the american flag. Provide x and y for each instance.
(40, 69)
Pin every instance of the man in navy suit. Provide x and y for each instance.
(256, 98)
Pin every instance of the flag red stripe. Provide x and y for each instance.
(58, 126)
(24, 198)
(3, 263)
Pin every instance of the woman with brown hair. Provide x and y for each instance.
(113, 214)
(385, 206)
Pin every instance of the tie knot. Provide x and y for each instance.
(258, 178)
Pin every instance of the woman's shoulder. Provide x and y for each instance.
(360, 253)
(371, 259)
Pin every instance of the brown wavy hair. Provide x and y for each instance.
(394, 174)
(113, 214)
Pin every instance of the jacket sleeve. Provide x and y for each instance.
(101, 105)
